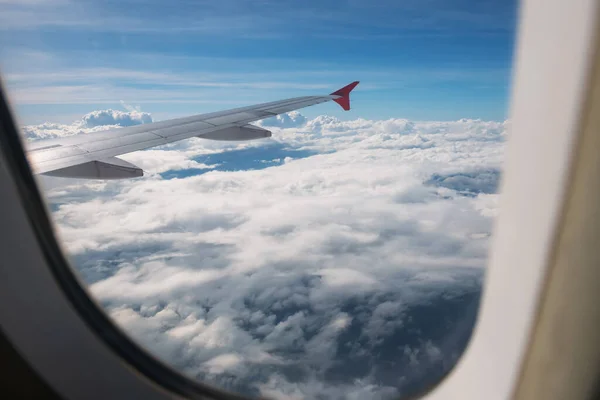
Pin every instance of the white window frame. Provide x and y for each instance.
(553, 61)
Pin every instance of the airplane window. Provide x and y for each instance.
(292, 249)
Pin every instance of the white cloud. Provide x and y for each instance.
(289, 120)
(335, 277)
(50, 130)
(130, 107)
(156, 161)
(90, 122)
(116, 117)
(222, 363)
(311, 277)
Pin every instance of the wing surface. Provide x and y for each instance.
(90, 150)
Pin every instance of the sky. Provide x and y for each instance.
(416, 59)
(341, 258)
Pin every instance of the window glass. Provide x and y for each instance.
(342, 257)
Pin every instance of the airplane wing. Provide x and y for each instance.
(93, 155)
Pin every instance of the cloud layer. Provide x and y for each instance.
(337, 259)
(90, 122)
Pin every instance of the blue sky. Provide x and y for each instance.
(416, 59)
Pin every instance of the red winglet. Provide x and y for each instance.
(344, 92)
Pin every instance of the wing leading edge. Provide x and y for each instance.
(93, 155)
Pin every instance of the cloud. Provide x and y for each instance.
(328, 275)
(90, 122)
(116, 117)
(288, 120)
(129, 107)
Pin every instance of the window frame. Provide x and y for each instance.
(553, 65)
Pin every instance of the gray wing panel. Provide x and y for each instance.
(49, 155)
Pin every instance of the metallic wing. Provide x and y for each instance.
(93, 155)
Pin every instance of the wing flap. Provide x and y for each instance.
(235, 133)
(110, 168)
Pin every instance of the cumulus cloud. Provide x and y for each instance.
(90, 122)
(288, 120)
(50, 130)
(116, 117)
(337, 259)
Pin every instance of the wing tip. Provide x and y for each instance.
(344, 93)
